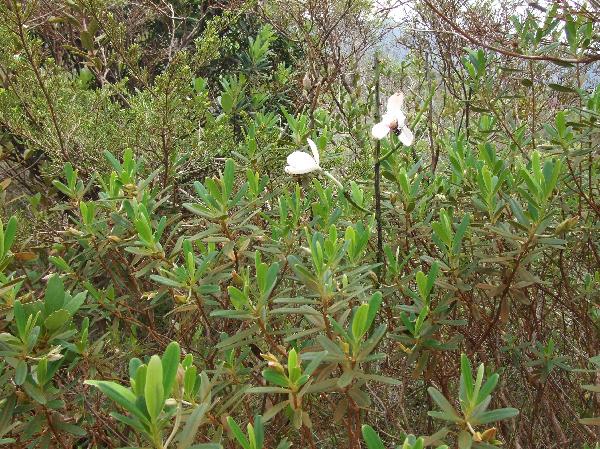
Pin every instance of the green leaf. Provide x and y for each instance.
(432, 276)
(57, 319)
(134, 364)
(488, 387)
(237, 297)
(7, 412)
(55, 295)
(275, 377)
(75, 303)
(271, 279)
(170, 364)
(192, 423)
(330, 346)
(228, 178)
(369, 345)
(594, 388)
(345, 379)
(62, 187)
(526, 82)
(315, 362)
(419, 444)
(70, 428)
(154, 390)
(20, 372)
(442, 402)
(374, 305)
(496, 415)
(87, 40)
(371, 438)
(142, 225)
(465, 441)
(460, 233)
(422, 284)
(129, 421)
(259, 432)
(140, 379)
(166, 281)
(226, 102)
(9, 234)
(20, 318)
(267, 390)
(274, 410)
(42, 371)
(189, 380)
(518, 211)
(113, 161)
(121, 395)
(466, 378)
(237, 433)
(478, 382)
(36, 393)
(560, 88)
(359, 322)
(294, 370)
(571, 33)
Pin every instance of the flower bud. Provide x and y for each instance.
(273, 362)
(237, 279)
(180, 299)
(179, 380)
(567, 225)
(489, 435)
(74, 232)
(306, 82)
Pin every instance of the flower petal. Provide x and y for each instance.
(300, 158)
(400, 119)
(395, 102)
(406, 136)
(296, 170)
(315, 151)
(380, 130)
(390, 120)
(300, 163)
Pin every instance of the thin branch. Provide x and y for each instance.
(584, 60)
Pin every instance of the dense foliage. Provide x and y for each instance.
(168, 281)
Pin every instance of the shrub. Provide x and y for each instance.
(184, 279)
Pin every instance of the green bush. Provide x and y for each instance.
(334, 301)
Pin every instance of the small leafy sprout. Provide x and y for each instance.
(255, 434)
(217, 195)
(354, 345)
(474, 397)
(295, 377)
(74, 187)
(293, 380)
(547, 360)
(594, 421)
(373, 441)
(7, 237)
(148, 400)
(254, 300)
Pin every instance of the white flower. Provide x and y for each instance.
(394, 120)
(301, 163)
